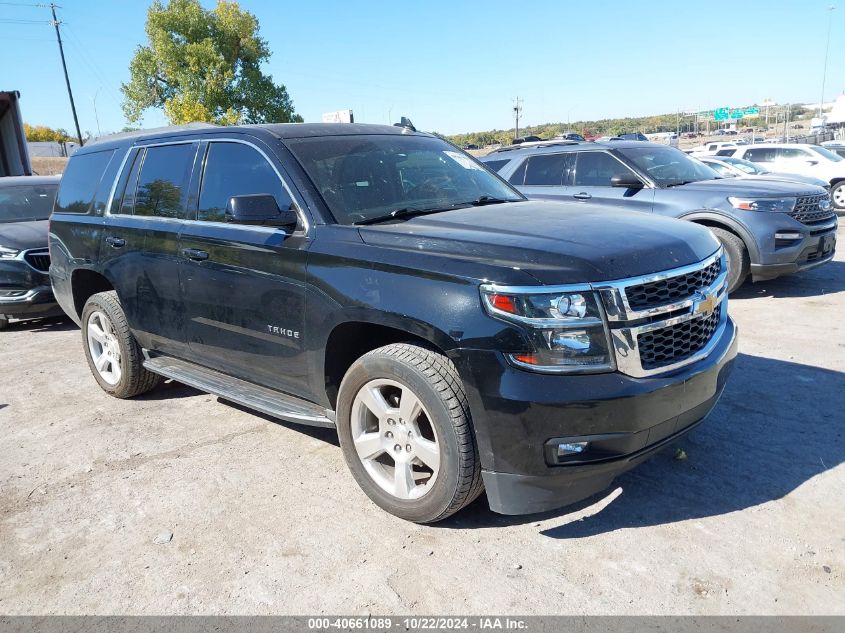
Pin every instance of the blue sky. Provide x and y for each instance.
(455, 66)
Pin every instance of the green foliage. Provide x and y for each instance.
(603, 127)
(204, 65)
(35, 133)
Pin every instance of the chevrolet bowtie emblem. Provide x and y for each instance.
(704, 304)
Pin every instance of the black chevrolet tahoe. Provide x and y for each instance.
(381, 282)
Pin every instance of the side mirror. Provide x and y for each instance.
(260, 209)
(626, 181)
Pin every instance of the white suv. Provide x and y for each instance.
(810, 160)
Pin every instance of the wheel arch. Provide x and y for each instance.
(717, 220)
(349, 340)
(85, 282)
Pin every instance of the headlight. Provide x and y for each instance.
(8, 253)
(773, 205)
(566, 329)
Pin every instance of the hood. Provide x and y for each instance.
(555, 242)
(752, 187)
(800, 178)
(24, 235)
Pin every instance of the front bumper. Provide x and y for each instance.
(25, 291)
(813, 245)
(516, 413)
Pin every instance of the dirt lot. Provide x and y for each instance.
(265, 518)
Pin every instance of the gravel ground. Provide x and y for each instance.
(179, 503)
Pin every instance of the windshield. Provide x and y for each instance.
(23, 203)
(668, 166)
(745, 165)
(367, 176)
(827, 154)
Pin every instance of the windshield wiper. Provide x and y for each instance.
(401, 214)
(679, 183)
(482, 200)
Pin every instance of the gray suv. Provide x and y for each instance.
(768, 228)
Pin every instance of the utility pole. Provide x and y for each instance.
(830, 10)
(517, 112)
(64, 66)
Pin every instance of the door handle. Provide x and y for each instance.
(115, 242)
(582, 196)
(195, 254)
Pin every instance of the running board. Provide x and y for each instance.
(274, 403)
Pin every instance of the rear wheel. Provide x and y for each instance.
(406, 433)
(739, 262)
(113, 354)
(837, 196)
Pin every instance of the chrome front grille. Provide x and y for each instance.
(666, 291)
(39, 260)
(665, 321)
(675, 343)
(808, 210)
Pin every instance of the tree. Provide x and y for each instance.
(36, 133)
(204, 65)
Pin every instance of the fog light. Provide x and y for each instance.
(571, 448)
(787, 236)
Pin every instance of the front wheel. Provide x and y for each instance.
(406, 433)
(113, 354)
(837, 196)
(737, 257)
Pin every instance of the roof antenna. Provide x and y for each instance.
(405, 122)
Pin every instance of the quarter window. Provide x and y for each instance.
(235, 169)
(80, 181)
(496, 165)
(595, 169)
(545, 169)
(163, 180)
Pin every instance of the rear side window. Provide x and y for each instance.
(235, 169)
(761, 154)
(496, 165)
(163, 180)
(80, 181)
(595, 169)
(793, 153)
(545, 169)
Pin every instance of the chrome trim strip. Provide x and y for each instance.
(30, 294)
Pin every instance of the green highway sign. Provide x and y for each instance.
(732, 114)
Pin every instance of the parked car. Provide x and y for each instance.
(569, 136)
(531, 138)
(730, 167)
(25, 205)
(469, 146)
(709, 149)
(633, 136)
(382, 282)
(810, 160)
(767, 228)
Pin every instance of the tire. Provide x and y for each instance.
(739, 262)
(837, 195)
(106, 333)
(423, 386)
(4, 322)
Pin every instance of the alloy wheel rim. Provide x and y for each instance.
(394, 439)
(839, 197)
(104, 348)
